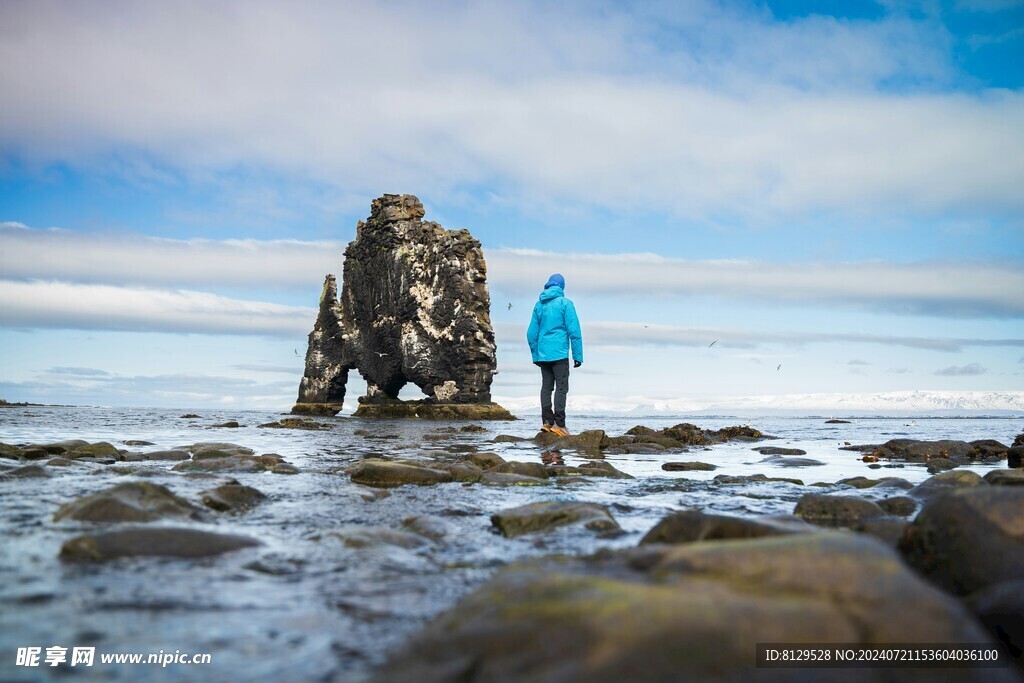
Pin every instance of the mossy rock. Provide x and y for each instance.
(153, 542)
(317, 409)
(232, 498)
(433, 411)
(836, 511)
(547, 515)
(387, 474)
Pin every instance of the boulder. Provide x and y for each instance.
(10, 452)
(888, 529)
(688, 466)
(547, 515)
(284, 468)
(230, 424)
(236, 464)
(151, 541)
(687, 434)
(306, 423)
(465, 472)
(101, 449)
(731, 479)
(1005, 477)
(596, 468)
(969, 539)
(133, 501)
(836, 511)
(947, 480)
(27, 472)
(485, 460)
(783, 461)
(693, 525)
(900, 506)
(530, 469)
(775, 450)
(1015, 457)
(356, 536)
(692, 612)
(386, 474)
(936, 465)
(414, 307)
(232, 498)
(434, 528)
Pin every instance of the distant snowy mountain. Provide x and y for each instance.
(897, 403)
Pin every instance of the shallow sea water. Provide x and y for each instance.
(304, 606)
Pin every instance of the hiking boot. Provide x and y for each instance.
(546, 427)
(559, 430)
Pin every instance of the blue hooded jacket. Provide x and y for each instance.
(554, 325)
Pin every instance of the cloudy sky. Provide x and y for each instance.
(829, 191)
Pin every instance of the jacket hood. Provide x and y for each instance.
(550, 293)
(555, 280)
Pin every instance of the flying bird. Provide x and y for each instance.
(712, 343)
(510, 305)
(296, 351)
(779, 367)
(380, 354)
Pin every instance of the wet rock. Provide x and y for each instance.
(730, 479)
(27, 472)
(472, 429)
(740, 433)
(486, 460)
(596, 469)
(284, 468)
(133, 501)
(641, 430)
(385, 474)
(911, 450)
(894, 483)
(782, 461)
(61, 447)
(166, 455)
(508, 438)
(239, 464)
(547, 515)
(990, 448)
(837, 422)
(465, 472)
(888, 529)
(434, 528)
(692, 612)
(230, 424)
(101, 449)
(688, 466)
(492, 478)
(208, 446)
(189, 416)
(946, 480)
(1000, 608)
(10, 452)
(37, 452)
(137, 442)
(901, 506)
(365, 537)
(774, 450)
(414, 307)
(1015, 457)
(306, 423)
(152, 541)
(692, 525)
(687, 434)
(968, 539)
(232, 498)
(530, 469)
(1005, 477)
(836, 511)
(268, 460)
(936, 465)
(59, 462)
(858, 482)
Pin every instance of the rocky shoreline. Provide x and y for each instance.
(860, 561)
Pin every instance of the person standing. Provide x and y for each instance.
(553, 328)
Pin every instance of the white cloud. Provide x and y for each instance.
(633, 335)
(693, 110)
(933, 287)
(74, 306)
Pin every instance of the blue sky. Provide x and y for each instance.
(829, 187)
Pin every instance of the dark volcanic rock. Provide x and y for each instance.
(692, 612)
(688, 466)
(546, 515)
(1015, 456)
(836, 510)
(134, 501)
(968, 539)
(775, 450)
(414, 307)
(692, 525)
(307, 423)
(154, 541)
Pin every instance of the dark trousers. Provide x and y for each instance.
(554, 378)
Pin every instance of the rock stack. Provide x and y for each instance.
(414, 307)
